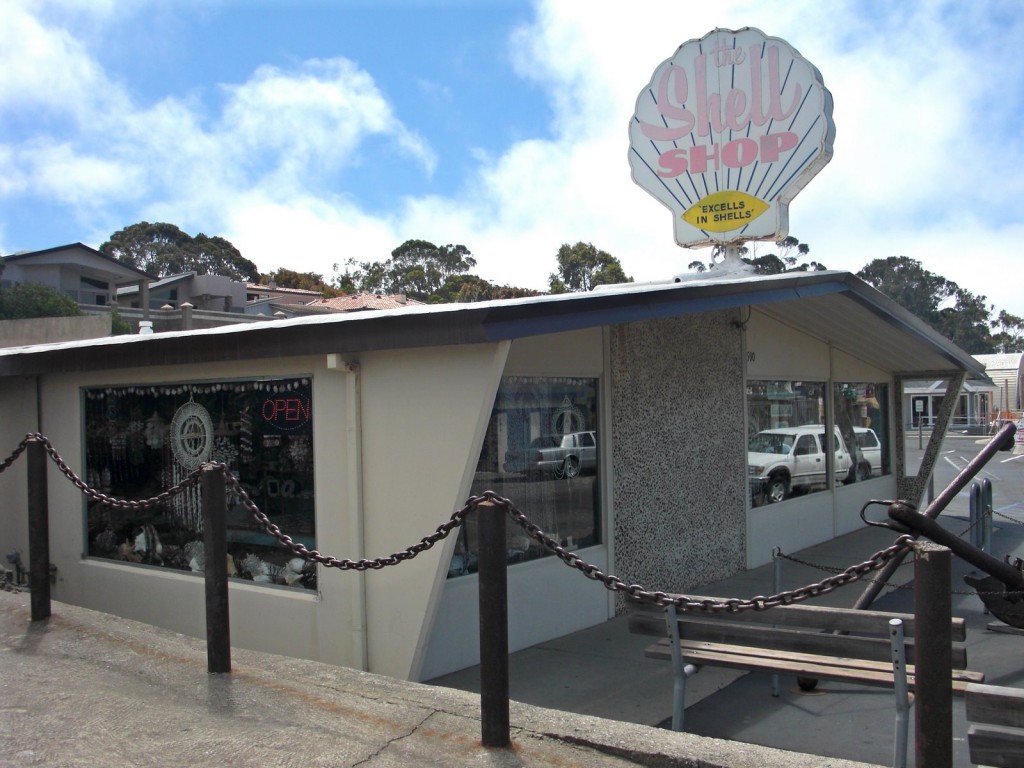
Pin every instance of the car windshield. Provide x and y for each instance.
(771, 442)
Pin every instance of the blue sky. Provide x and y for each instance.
(311, 132)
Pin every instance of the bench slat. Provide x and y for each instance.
(992, 745)
(649, 619)
(800, 664)
(996, 705)
(877, 648)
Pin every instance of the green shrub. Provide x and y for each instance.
(25, 300)
(118, 325)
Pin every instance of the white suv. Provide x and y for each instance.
(781, 460)
(870, 449)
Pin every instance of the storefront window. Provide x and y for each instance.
(541, 453)
(142, 440)
(861, 414)
(789, 455)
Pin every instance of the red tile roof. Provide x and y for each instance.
(356, 302)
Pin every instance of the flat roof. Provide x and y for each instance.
(836, 307)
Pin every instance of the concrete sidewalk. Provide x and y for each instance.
(88, 690)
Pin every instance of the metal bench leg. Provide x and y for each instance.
(680, 671)
(899, 676)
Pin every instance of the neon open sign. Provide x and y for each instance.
(287, 412)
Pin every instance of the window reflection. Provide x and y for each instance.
(788, 453)
(540, 452)
(861, 411)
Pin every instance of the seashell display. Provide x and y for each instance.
(147, 544)
(194, 556)
(727, 132)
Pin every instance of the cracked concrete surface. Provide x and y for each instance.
(85, 689)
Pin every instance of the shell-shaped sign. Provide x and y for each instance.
(727, 132)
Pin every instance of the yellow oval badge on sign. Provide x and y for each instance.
(724, 211)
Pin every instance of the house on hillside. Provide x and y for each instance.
(213, 293)
(269, 299)
(618, 421)
(89, 277)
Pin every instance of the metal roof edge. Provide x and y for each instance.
(870, 297)
(482, 322)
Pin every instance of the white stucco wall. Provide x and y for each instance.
(420, 413)
(18, 418)
(397, 435)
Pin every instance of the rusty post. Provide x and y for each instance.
(215, 570)
(38, 531)
(933, 666)
(493, 588)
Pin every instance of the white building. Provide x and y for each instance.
(1006, 371)
(360, 433)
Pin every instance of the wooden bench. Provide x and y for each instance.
(807, 641)
(996, 734)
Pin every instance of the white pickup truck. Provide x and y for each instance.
(780, 461)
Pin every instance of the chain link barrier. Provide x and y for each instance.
(834, 569)
(1007, 517)
(902, 545)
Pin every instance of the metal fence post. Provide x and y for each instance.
(897, 644)
(492, 571)
(975, 514)
(986, 515)
(933, 667)
(38, 531)
(215, 570)
(777, 584)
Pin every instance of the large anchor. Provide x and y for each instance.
(1002, 590)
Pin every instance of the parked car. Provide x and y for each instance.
(781, 461)
(558, 455)
(869, 463)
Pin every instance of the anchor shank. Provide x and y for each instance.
(923, 525)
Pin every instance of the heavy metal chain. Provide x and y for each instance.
(684, 603)
(1007, 517)
(189, 480)
(345, 564)
(490, 499)
(14, 455)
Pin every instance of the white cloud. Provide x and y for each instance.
(914, 153)
(46, 67)
(313, 118)
(927, 158)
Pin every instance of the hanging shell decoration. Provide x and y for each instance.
(191, 435)
(727, 132)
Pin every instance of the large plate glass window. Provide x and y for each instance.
(788, 453)
(143, 440)
(540, 452)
